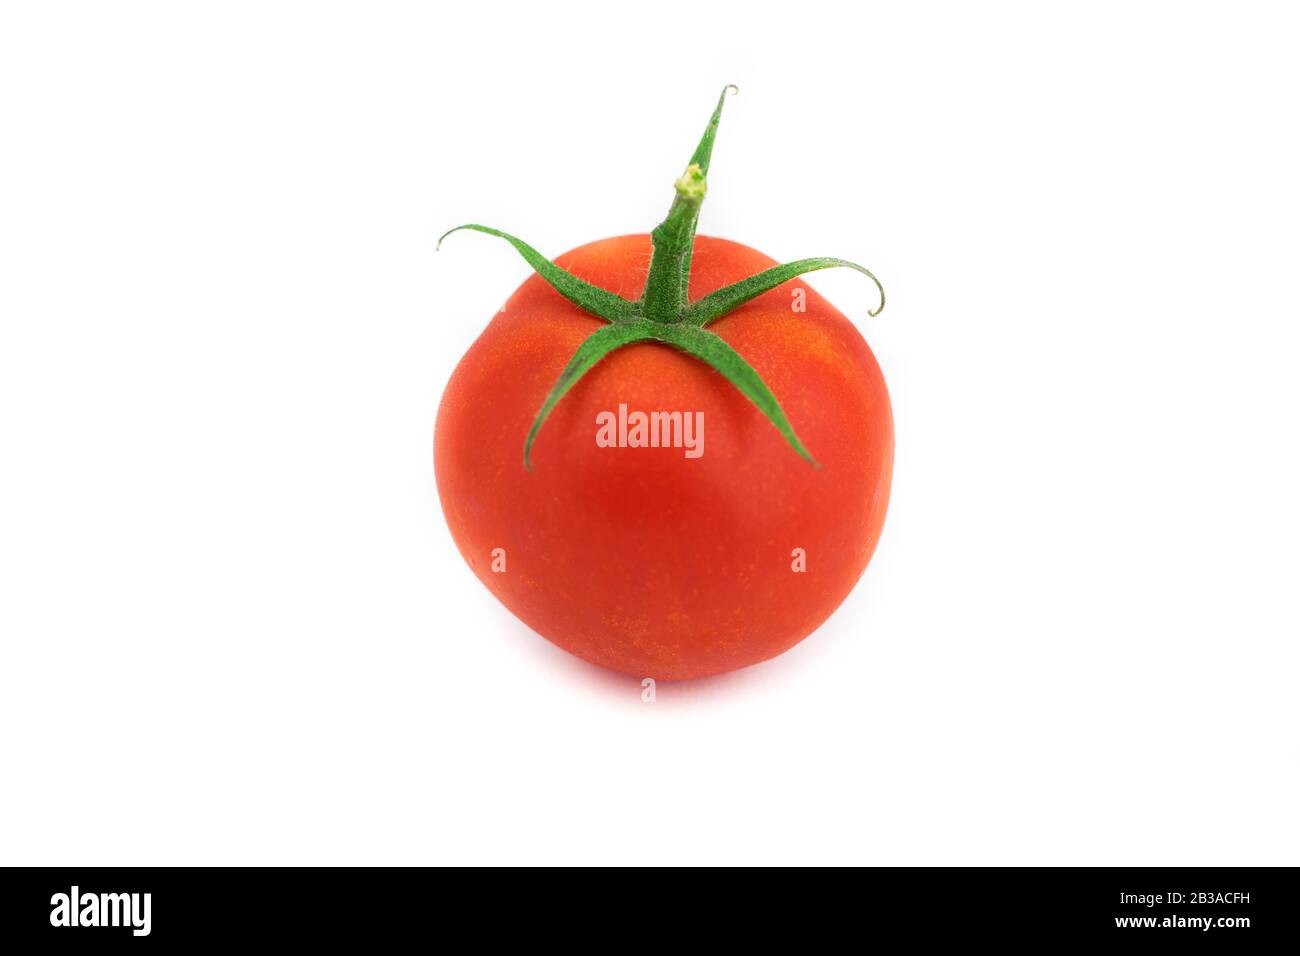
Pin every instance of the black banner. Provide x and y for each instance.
(98, 908)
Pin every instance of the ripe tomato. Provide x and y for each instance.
(702, 544)
(641, 559)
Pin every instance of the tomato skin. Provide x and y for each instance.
(640, 559)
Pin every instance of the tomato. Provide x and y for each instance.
(641, 559)
(718, 548)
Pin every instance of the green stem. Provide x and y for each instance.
(663, 313)
(674, 239)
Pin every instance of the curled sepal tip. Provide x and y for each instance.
(597, 301)
(717, 304)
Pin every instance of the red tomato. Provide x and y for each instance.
(642, 559)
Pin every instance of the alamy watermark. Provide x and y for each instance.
(102, 909)
(624, 429)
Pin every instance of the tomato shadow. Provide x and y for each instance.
(624, 688)
(621, 688)
(719, 687)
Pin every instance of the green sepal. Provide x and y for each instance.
(706, 346)
(712, 350)
(717, 304)
(593, 348)
(662, 313)
(599, 302)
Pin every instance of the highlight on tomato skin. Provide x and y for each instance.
(674, 486)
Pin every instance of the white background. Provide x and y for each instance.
(234, 627)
